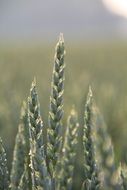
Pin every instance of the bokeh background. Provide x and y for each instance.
(95, 33)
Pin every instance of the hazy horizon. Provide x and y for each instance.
(30, 20)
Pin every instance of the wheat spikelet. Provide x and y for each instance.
(40, 176)
(124, 177)
(91, 180)
(20, 150)
(105, 151)
(56, 106)
(67, 160)
(25, 119)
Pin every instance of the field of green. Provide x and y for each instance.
(101, 65)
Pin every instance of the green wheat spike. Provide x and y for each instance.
(40, 176)
(56, 106)
(67, 161)
(124, 177)
(25, 119)
(25, 133)
(91, 181)
(4, 176)
(20, 151)
(105, 151)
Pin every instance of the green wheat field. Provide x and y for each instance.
(97, 67)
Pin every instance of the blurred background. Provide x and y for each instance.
(95, 33)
